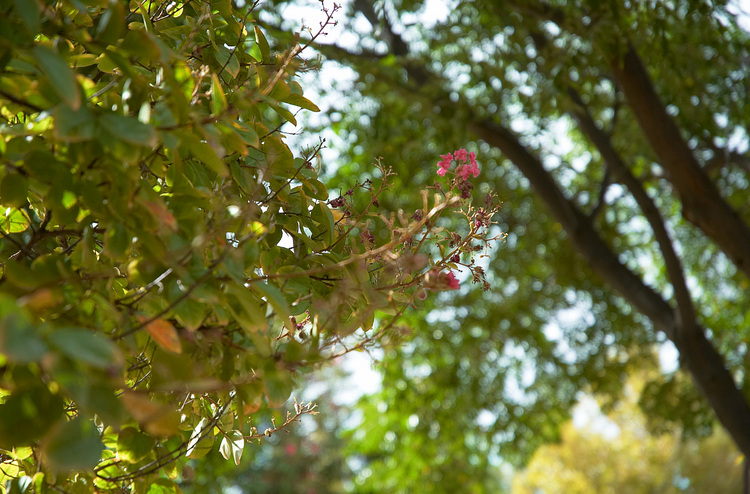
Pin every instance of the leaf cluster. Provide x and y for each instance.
(168, 266)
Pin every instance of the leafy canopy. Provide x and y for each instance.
(168, 266)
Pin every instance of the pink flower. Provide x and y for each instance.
(473, 159)
(465, 171)
(452, 281)
(460, 155)
(445, 164)
(440, 280)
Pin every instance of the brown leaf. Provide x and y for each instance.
(155, 418)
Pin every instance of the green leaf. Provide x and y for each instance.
(248, 134)
(190, 314)
(73, 124)
(250, 396)
(276, 299)
(19, 485)
(129, 129)
(262, 42)
(14, 220)
(111, 24)
(40, 485)
(27, 415)
(227, 60)
(84, 346)
(74, 445)
(278, 388)
(18, 340)
(13, 190)
(278, 156)
(282, 112)
(60, 75)
(302, 102)
(218, 99)
(117, 241)
(100, 399)
(325, 218)
(163, 486)
(29, 13)
(206, 155)
(244, 306)
(133, 445)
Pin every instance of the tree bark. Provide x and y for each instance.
(702, 203)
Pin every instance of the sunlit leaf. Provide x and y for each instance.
(133, 445)
(14, 220)
(232, 446)
(301, 101)
(201, 440)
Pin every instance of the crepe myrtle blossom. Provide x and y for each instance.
(441, 280)
(445, 164)
(452, 280)
(466, 164)
(438, 281)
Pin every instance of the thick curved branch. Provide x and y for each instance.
(697, 354)
(702, 203)
(615, 163)
(394, 41)
(579, 228)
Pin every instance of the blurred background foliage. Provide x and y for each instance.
(490, 377)
(487, 380)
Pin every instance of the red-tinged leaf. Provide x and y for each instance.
(164, 334)
(159, 211)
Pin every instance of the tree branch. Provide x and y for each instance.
(579, 228)
(702, 204)
(697, 354)
(615, 163)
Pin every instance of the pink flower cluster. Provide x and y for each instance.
(450, 278)
(440, 280)
(463, 169)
